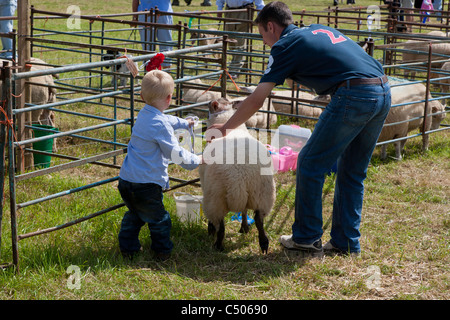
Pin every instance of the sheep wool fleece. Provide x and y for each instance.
(325, 60)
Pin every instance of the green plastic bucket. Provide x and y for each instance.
(42, 160)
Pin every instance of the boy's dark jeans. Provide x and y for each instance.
(145, 204)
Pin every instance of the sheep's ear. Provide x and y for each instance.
(214, 105)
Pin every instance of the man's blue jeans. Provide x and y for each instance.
(145, 204)
(346, 133)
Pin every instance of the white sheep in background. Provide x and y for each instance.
(240, 178)
(301, 109)
(258, 120)
(41, 94)
(192, 95)
(284, 106)
(445, 83)
(204, 39)
(403, 94)
(119, 68)
(423, 47)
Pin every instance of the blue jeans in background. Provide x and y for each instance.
(346, 132)
(7, 9)
(145, 204)
(162, 35)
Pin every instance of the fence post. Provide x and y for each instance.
(11, 167)
(427, 92)
(23, 90)
(2, 147)
(223, 82)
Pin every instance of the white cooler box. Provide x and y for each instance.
(291, 136)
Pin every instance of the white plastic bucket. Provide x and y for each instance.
(291, 136)
(189, 207)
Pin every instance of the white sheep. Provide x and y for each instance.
(237, 176)
(403, 94)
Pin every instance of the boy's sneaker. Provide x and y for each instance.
(315, 249)
(162, 256)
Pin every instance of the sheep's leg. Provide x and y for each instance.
(123, 81)
(383, 152)
(398, 149)
(244, 223)
(425, 141)
(263, 240)
(211, 229)
(220, 236)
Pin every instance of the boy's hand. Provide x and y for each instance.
(190, 121)
(202, 161)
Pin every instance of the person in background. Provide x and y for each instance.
(437, 4)
(407, 7)
(162, 34)
(177, 2)
(426, 9)
(325, 60)
(7, 9)
(336, 2)
(237, 61)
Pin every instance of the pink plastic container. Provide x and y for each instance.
(283, 160)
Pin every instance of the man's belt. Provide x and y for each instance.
(363, 81)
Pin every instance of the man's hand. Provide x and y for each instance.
(215, 131)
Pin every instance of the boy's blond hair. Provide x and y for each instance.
(156, 85)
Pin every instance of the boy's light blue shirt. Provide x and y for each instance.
(152, 146)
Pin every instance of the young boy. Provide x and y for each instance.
(144, 175)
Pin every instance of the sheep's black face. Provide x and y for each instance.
(110, 55)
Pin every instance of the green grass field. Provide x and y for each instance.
(405, 234)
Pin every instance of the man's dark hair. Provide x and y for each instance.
(277, 12)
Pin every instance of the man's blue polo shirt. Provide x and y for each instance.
(318, 57)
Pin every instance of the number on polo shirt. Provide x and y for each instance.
(330, 34)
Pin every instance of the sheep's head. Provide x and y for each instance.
(197, 36)
(437, 107)
(220, 111)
